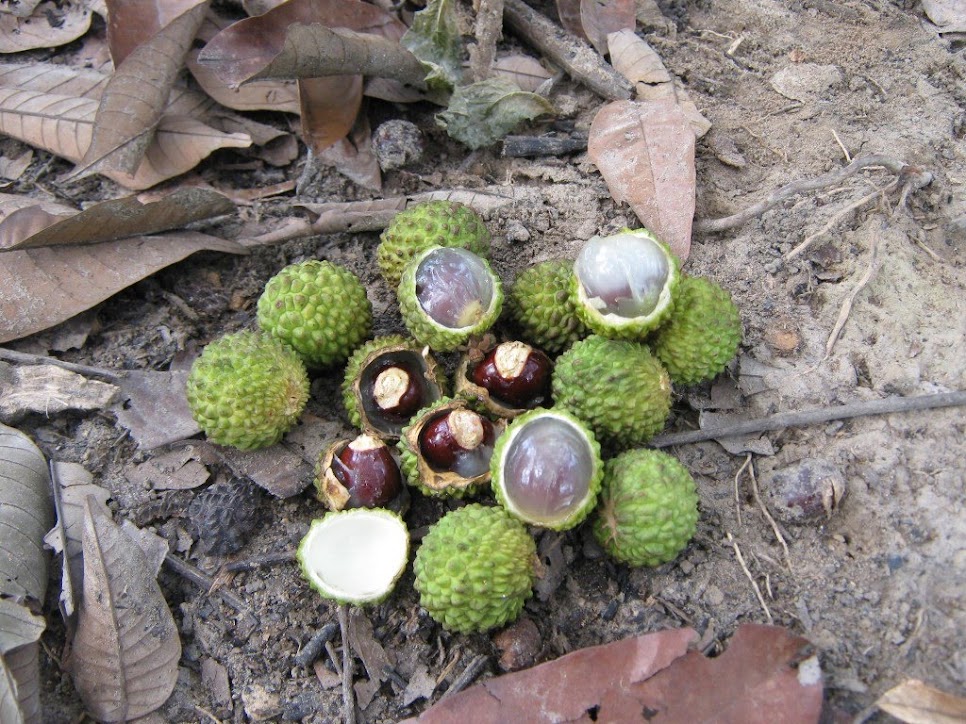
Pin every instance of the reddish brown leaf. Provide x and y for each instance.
(32, 226)
(135, 98)
(132, 23)
(569, 13)
(915, 702)
(257, 95)
(599, 18)
(51, 24)
(353, 156)
(645, 152)
(329, 109)
(43, 287)
(767, 675)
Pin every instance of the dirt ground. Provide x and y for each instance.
(879, 588)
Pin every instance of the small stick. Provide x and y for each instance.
(577, 58)
(807, 241)
(529, 146)
(313, 649)
(250, 564)
(764, 511)
(333, 657)
(711, 226)
(348, 696)
(782, 420)
(845, 151)
(488, 30)
(850, 297)
(754, 584)
(203, 580)
(737, 496)
(469, 674)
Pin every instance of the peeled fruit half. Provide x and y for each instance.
(546, 469)
(355, 556)
(648, 508)
(448, 295)
(623, 285)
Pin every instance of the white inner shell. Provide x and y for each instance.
(623, 275)
(358, 556)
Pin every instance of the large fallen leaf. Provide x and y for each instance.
(915, 702)
(135, 98)
(43, 287)
(104, 221)
(482, 113)
(9, 706)
(645, 152)
(26, 514)
(52, 23)
(154, 408)
(526, 72)
(256, 95)
(64, 125)
(124, 656)
(132, 24)
(23, 665)
(18, 625)
(765, 674)
(329, 109)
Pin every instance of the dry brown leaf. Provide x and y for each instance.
(31, 227)
(13, 168)
(136, 96)
(10, 710)
(645, 152)
(257, 95)
(130, 24)
(600, 18)
(52, 23)
(20, 8)
(354, 157)
(63, 126)
(124, 656)
(526, 72)
(765, 674)
(24, 665)
(569, 13)
(915, 702)
(329, 107)
(155, 408)
(43, 287)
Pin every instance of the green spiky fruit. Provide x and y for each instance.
(456, 471)
(540, 303)
(648, 508)
(386, 381)
(703, 334)
(355, 556)
(426, 224)
(616, 387)
(546, 469)
(319, 309)
(246, 389)
(475, 569)
(447, 296)
(623, 285)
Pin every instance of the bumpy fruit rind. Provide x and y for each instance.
(618, 388)
(575, 513)
(428, 331)
(246, 389)
(426, 224)
(319, 309)
(539, 302)
(475, 569)
(371, 352)
(361, 543)
(703, 334)
(648, 508)
(419, 474)
(629, 328)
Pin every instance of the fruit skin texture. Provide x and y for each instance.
(648, 509)
(634, 328)
(616, 387)
(475, 569)
(246, 389)
(427, 331)
(318, 308)
(577, 515)
(431, 223)
(702, 335)
(539, 302)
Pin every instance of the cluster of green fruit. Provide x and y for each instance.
(623, 323)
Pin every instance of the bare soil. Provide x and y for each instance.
(879, 588)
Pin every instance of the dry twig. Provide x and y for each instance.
(472, 670)
(916, 176)
(206, 582)
(737, 478)
(781, 420)
(488, 30)
(348, 696)
(754, 583)
(764, 511)
(850, 297)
